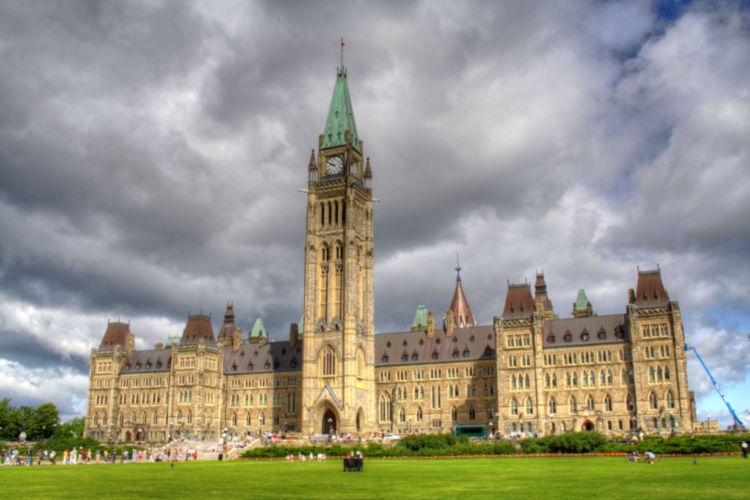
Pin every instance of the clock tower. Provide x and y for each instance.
(338, 381)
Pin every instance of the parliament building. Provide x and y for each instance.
(530, 371)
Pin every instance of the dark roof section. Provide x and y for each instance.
(649, 290)
(592, 330)
(411, 348)
(198, 328)
(148, 361)
(260, 358)
(519, 303)
(540, 292)
(227, 329)
(115, 335)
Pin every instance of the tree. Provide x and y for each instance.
(45, 420)
(71, 428)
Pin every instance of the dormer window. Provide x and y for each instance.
(585, 336)
(550, 339)
(404, 357)
(388, 344)
(293, 363)
(602, 334)
(234, 367)
(568, 337)
(467, 353)
(421, 341)
(455, 354)
(267, 366)
(434, 355)
(404, 343)
(385, 358)
(414, 356)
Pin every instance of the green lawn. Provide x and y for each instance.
(720, 478)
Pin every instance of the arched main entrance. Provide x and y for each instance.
(329, 424)
(588, 426)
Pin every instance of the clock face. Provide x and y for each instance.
(334, 166)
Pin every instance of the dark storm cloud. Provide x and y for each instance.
(150, 156)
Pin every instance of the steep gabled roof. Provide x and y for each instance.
(340, 116)
(227, 329)
(258, 330)
(462, 314)
(582, 302)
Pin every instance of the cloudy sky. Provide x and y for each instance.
(151, 152)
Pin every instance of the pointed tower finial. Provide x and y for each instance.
(343, 44)
(458, 268)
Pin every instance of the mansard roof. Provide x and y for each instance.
(592, 330)
(518, 302)
(649, 290)
(262, 358)
(115, 335)
(411, 348)
(198, 328)
(147, 361)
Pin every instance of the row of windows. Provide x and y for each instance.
(518, 340)
(143, 398)
(660, 330)
(101, 399)
(650, 352)
(437, 373)
(143, 381)
(658, 375)
(384, 412)
(187, 362)
(402, 394)
(525, 360)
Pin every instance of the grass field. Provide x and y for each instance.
(721, 478)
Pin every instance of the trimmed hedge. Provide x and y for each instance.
(426, 445)
(430, 445)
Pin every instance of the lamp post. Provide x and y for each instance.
(492, 431)
(330, 427)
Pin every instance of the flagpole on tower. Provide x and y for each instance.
(343, 44)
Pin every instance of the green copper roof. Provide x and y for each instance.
(258, 329)
(340, 116)
(420, 318)
(582, 302)
(173, 340)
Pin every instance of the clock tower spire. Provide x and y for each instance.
(338, 382)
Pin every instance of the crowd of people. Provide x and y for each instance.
(76, 456)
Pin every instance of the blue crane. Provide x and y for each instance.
(737, 422)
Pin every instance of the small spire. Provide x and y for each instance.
(458, 268)
(368, 169)
(313, 164)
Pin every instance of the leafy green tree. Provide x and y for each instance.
(6, 419)
(72, 428)
(45, 420)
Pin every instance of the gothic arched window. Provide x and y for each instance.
(328, 362)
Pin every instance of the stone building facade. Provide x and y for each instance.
(529, 371)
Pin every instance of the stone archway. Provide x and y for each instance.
(329, 424)
(128, 437)
(588, 425)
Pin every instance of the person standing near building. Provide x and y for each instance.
(744, 449)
